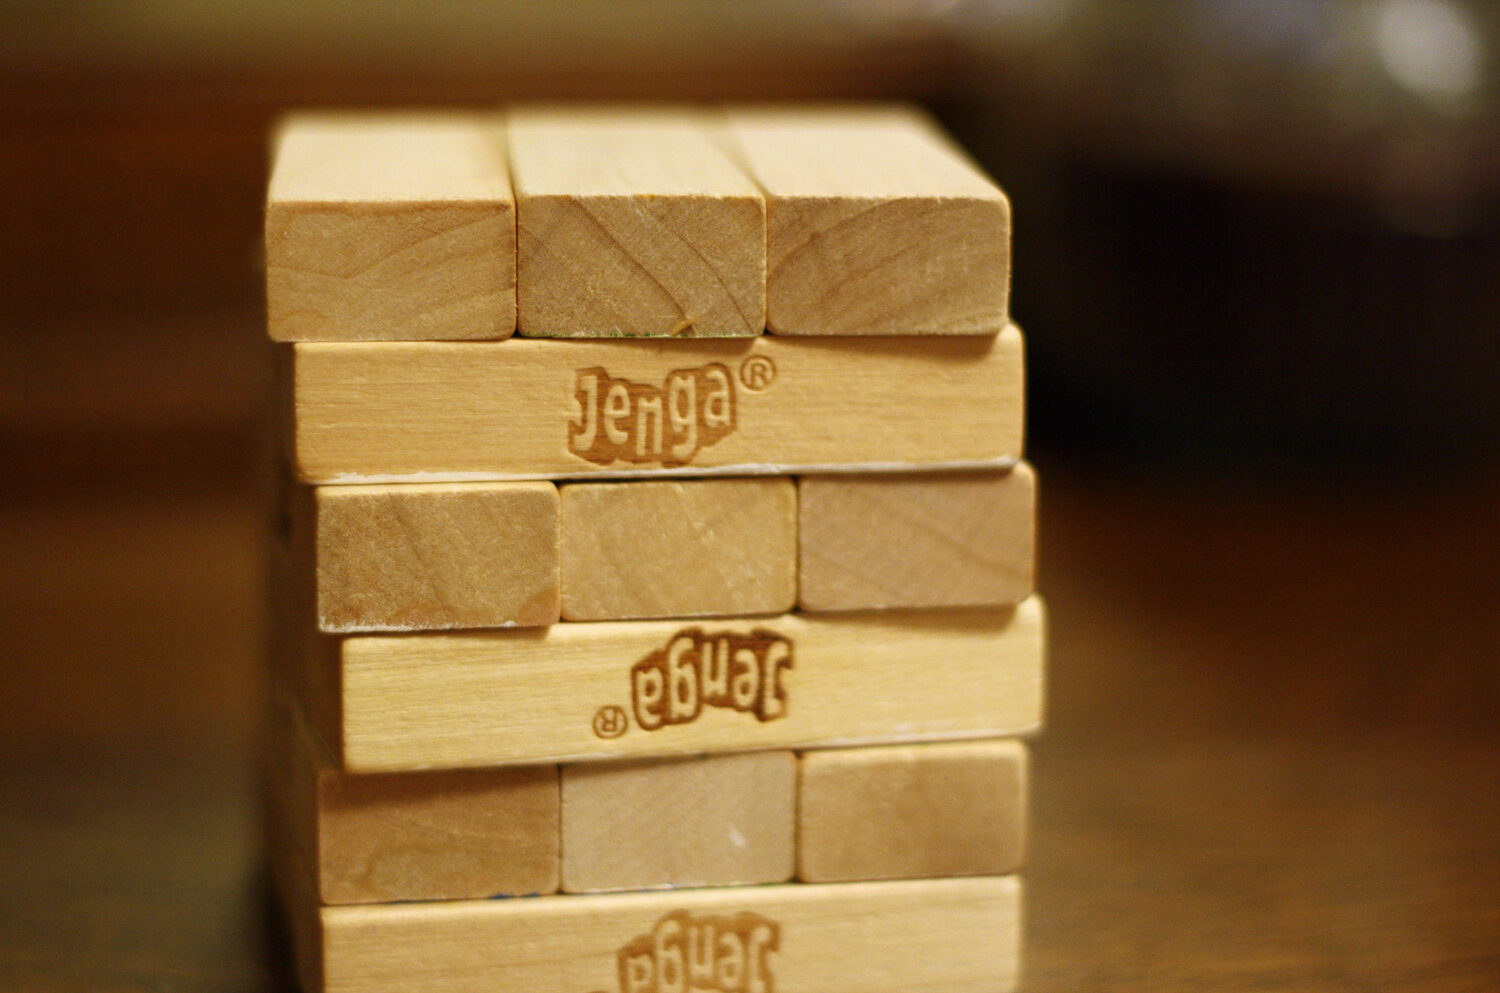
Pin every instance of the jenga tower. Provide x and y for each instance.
(653, 593)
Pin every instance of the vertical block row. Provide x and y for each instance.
(570, 222)
(841, 815)
(490, 555)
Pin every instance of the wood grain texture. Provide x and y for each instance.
(435, 556)
(634, 222)
(429, 411)
(870, 542)
(447, 834)
(716, 820)
(876, 224)
(912, 811)
(637, 689)
(925, 936)
(678, 548)
(390, 227)
(438, 835)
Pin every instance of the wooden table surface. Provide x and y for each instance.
(1271, 761)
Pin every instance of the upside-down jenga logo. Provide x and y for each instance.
(687, 954)
(697, 669)
(739, 672)
(621, 421)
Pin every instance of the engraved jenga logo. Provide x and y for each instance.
(698, 669)
(687, 954)
(695, 670)
(618, 420)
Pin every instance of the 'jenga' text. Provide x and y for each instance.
(740, 672)
(618, 420)
(687, 954)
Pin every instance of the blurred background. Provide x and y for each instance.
(1257, 258)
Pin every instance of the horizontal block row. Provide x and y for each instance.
(483, 555)
(639, 689)
(595, 223)
(841, 815)
(450, 411)
(910, 936)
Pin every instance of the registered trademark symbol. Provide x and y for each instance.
(757, 373)
(610, 722)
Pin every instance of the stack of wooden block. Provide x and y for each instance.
(654, 550)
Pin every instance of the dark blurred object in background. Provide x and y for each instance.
(1251, 227)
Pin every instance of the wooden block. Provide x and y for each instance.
(923, 936)
(876, 224)
(713, 820)
(427, 835)
(635, 689)
(678, 548)
(437, 555)
(911, 811)
(386, 227)
(924, 540)
(432, 411)
(634, 222)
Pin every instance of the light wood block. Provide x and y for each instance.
(431, 411)
(922, 540)
(428, 835)
(923, 936)
(714, 820)
(388, 227)
(437, 555)
(876, 224)
(636, 689)
(912, 811)
(678, 548)
(634, 222)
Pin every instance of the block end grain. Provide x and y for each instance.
(716, 820)
(670, 548)
(875, 542)
(437, 556)
(634, 224)
(438, 835)
(912, 811)
(390, 227)
(876, 224)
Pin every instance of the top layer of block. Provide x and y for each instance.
(634, 223)
(876, 224)
(630, 223)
